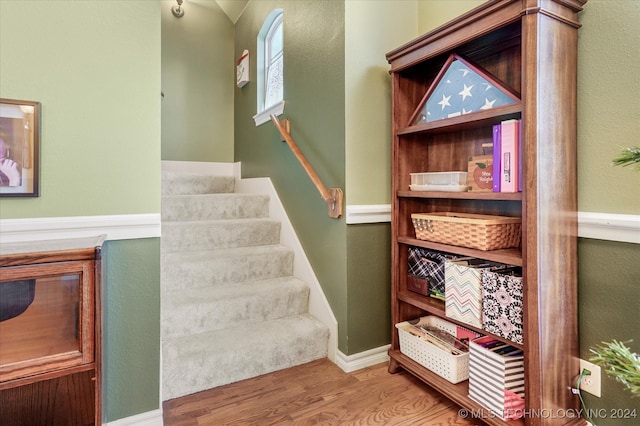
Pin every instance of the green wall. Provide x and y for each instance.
(608, 105)
(198, 77)
(608, 120)
(95, 71)
(609, 300)
(369, 289)
(95, 68)
(336, 92)
(371, 32)
(433, 13)
(131, 333)
(314, 93)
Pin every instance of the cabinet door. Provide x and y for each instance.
(64, 401)
(46, 318)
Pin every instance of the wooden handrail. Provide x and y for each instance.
(332, 196)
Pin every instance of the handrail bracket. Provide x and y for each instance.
(334, 204)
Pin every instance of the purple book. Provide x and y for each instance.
(496, 157)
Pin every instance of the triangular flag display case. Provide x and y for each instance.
(462, 88)
(526, 50)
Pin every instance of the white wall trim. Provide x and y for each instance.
(150, 418)
(608, 226)
(373, 213)
(349, 363)
(115, 227)
(264, 116)
(318, 304)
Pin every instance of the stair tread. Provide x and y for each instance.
(217, 234)
(196, 183)
(204, 361)
(246, 334)
(231, 252)
(185, 203)
(217, 222)
(201, 310)
(254, 288)
(216, 195)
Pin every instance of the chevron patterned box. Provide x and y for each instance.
(463, 289)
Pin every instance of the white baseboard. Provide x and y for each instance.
(349, 363)
(150, 418)
(115, 227)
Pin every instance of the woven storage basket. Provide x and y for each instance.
(482, 232)
(454, 368)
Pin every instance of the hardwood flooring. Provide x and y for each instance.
(318, 393)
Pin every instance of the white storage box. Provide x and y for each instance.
(454, 368)
(439, 181)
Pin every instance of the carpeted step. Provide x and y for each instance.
(211, 235)
(205, 309)
(174, 183)
(202, 361)
(184, 270)
(214, 207)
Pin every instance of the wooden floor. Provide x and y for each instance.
(318, 393)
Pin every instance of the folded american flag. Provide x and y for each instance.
(462, 89)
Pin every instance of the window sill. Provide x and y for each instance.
(264, 116)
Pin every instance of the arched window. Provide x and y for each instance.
(270, 68)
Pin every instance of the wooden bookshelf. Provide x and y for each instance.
(530, 47)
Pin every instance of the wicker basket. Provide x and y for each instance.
(482, 232)
(454, 368)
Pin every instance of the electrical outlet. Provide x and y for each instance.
(592, 382)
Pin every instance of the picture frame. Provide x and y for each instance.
(19, 148)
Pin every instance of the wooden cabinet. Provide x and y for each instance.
(531, 47)
(50, 353)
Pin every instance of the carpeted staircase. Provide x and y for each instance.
(231, 308)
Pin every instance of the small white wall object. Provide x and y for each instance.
(242, 69)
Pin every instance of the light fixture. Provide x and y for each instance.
(177, 9)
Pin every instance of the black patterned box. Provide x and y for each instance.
(426, 271)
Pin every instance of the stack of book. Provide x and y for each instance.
(507, 166)
(496, 377)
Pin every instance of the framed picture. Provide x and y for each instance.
(19, 148)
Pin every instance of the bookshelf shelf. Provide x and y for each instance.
(507, 196)
(472, 121)
(436, 307)
(509, 256)
(530, 48)
(458, 393)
